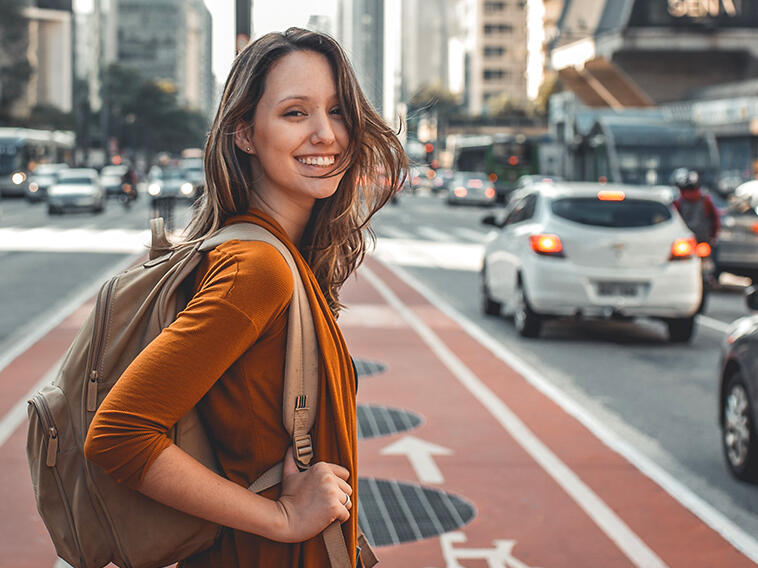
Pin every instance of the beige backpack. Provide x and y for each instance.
(92, 519)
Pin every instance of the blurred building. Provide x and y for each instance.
(360, 31)
(50, 54)
(426, 31)
(622, 53)
(168, 40)
(320, 23)
(498, 53)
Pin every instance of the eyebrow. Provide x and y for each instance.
(294, 97)
(300, 98)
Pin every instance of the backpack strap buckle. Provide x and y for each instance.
(303, 451)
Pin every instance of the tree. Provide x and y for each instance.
(145, 115)
(15, 69)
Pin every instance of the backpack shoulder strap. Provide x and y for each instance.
(300, 377)
(301, 363)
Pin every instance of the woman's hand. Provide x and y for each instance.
(312, 499)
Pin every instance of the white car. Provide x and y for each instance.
(76, 188)
(592, 250)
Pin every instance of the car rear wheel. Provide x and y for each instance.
(528, 323)
(738, 431)
(489, 306)
(681, 330)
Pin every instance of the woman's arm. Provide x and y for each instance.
(310, 500)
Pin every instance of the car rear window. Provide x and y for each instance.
(620, 214)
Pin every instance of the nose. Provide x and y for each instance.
(323, 133)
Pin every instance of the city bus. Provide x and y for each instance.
(21, 149)
(503, 157)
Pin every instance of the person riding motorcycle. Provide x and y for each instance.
(695, 207)
(128, 187)
(701, 217)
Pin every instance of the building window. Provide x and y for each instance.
(491, 29)
(494, 51)
(494, 7)
(495, 74)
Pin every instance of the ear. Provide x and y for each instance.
(243, 138)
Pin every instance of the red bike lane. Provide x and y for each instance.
(480, 468)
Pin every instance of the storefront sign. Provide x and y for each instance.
(704, 8)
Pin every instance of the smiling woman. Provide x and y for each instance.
(296, 149)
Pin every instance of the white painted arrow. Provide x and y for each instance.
(420, 454)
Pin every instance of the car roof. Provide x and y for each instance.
(559, 189)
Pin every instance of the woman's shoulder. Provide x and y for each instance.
(249, 272)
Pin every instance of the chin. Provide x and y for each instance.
(324, 192)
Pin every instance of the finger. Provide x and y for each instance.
(289, 466)
(344, 487)
(338, 470)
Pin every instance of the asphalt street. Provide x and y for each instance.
(657, 398)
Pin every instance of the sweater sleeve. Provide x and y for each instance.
(247, 285)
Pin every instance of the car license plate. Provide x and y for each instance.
(626, 289)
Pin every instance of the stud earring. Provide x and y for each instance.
(247, 148)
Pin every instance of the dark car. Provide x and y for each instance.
(737, 244)
(738, 395)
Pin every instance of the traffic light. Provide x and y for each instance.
(429, 149)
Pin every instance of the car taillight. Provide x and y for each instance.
(682, 249)
(607, 195)
(548, 245)
(703, 250)
(489, 193)
(460, 192)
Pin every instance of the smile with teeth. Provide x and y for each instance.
(317, 160)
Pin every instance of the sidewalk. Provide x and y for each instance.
(463, 463)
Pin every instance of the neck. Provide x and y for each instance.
(293, 217)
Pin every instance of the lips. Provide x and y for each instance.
(322, 161)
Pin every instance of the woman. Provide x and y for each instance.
(294, 147)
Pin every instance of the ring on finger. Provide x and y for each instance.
(347, 500)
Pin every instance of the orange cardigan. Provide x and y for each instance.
(225, 355)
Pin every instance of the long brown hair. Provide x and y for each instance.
(334, 243)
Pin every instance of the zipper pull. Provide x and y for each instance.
(52, 446)
(92, 391)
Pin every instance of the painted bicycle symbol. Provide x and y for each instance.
(500, 556)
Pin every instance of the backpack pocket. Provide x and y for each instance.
(55, 463)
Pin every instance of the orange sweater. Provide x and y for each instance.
(225, 354)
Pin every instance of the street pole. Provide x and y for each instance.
(243, 24)
(104, 126)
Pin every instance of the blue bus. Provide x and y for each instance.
(21, 149)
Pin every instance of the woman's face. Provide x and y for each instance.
(298, 132)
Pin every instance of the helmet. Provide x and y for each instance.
(686, 179)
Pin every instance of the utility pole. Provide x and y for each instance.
(243, 26)
(104, 108)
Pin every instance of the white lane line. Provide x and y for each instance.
(41, 326)
(393, 233)
(607, 521)
(17, 414)
(714, 324)
(435, 235)
(740, 539)
(470, 234)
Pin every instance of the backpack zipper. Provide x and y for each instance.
(102, 311)
(51, 450)
(101, 319)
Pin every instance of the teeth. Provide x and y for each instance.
(317, 161)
